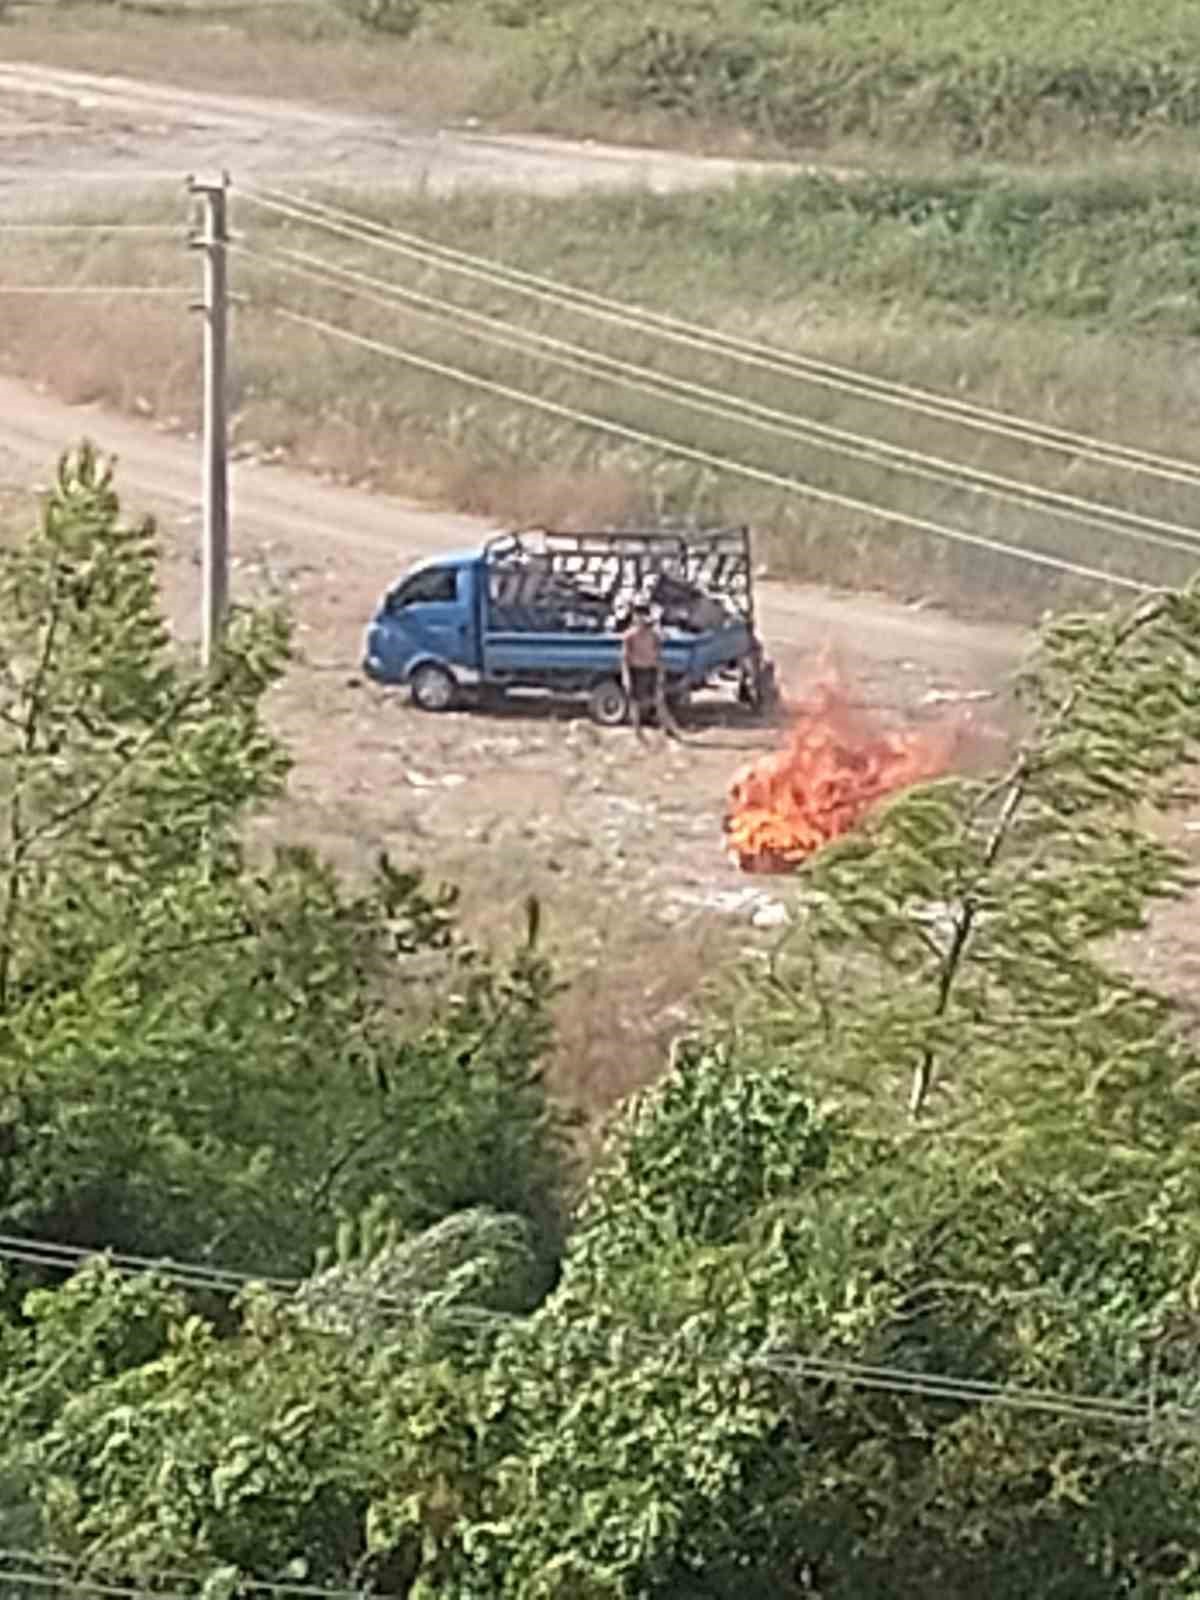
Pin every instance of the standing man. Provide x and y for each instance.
(642, 670)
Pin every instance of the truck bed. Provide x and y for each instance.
(518, 653)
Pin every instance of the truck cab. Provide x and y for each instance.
(426, 631)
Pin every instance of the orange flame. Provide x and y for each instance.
(836, 765)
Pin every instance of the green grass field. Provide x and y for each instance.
(959, 76)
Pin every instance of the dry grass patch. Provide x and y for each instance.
(632, 981)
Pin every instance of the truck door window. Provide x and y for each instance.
(437, 586)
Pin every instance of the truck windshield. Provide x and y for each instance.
(434, 585)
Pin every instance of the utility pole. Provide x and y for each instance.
(215, 306)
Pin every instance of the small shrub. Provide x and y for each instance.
(398, 17)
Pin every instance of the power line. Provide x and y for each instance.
(46, 1253)
(939, 1387)
(259, 1585)
(709, 459)
(117, 1591)
(90, 227)
(67, 1579)
(199, 1278)
(90, 289)
(768, 357)
(131, 180)
(779, 1362)
(712, 340)
(1172, 536)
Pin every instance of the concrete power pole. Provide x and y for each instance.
(215, 307)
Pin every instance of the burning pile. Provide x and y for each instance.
(835, 766)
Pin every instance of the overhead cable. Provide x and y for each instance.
(710, 459)
(91, 289)
(67, 1576)
(92, 227)
(1070, 1406)
(767, 357)
(728, 407)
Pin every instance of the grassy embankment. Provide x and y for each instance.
(1023, 80)
(1065, 298)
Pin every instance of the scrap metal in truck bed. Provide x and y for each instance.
(545, 611)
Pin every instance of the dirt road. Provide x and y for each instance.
(277, 507)
(56, 124)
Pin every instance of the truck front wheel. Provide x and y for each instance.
(433, 687)
(607, 704)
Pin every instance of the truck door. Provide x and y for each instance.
(431, 608)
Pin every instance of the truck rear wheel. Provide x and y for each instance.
(433, 687)
(607, 704)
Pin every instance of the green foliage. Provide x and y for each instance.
(656, 1445)
(1038, 1229)
(86, 1332)
(837, 1285)
(471, 1261)
(959, 75)
(261, 1451)
(956, 75)
(975, 910)
(198, 1059)
(671, 1181)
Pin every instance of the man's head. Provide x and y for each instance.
(641, 612)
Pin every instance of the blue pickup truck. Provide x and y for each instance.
(545, 611)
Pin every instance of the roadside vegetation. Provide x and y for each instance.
(883, 1284)
(1005, 215)
(1068, 298)
(1022, 81)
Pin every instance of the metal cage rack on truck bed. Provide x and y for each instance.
(618, 567)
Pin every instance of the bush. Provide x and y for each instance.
(399, 17)
(198, 1059)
